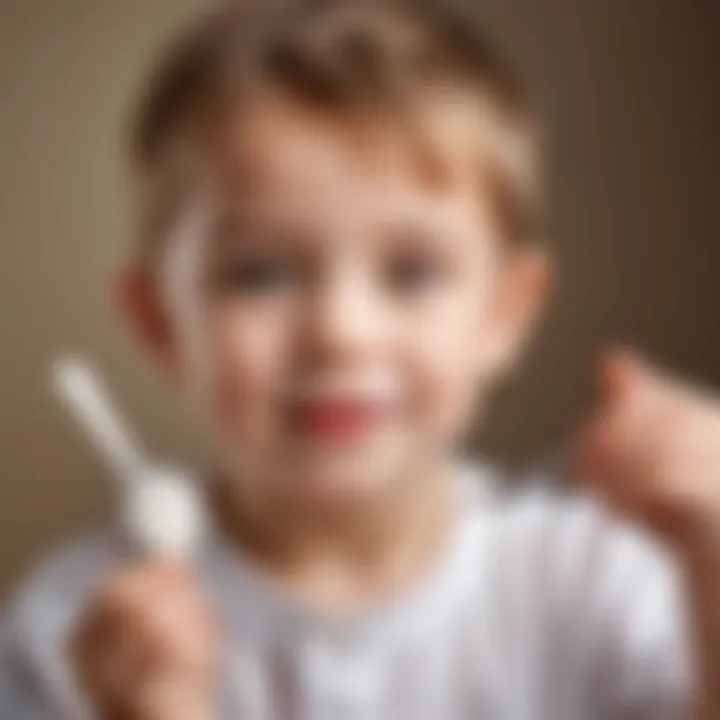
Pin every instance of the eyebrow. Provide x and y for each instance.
(264, 222)
(229, 228)
(250, 227)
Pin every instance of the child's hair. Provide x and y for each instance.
(342, 56)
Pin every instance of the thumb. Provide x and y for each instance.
(621, 373)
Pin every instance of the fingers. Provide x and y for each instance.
(620, 440)
(623, 375)
(652, 449)
(148, 628)
(617, 373)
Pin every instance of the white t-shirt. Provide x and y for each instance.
(540, 608)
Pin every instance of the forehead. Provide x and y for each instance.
(280, 151)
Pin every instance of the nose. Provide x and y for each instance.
(348, 318)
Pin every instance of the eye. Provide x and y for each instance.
(254, 274)
(413, 271)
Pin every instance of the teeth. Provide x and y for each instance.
(378, 386)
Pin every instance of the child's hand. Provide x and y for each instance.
(145, 647)
(653, 452)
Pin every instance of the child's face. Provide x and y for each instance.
(351, 313)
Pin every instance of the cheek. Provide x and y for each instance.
(445, 360)
(246, 359)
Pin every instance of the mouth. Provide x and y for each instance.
(336, 420)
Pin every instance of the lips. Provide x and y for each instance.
(336, 419)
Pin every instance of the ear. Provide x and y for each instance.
(522, 295)
(138, 300)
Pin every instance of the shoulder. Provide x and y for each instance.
(43, 607)
(61, 581)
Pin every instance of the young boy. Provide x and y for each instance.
(339, 260)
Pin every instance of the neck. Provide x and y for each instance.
(343, 556)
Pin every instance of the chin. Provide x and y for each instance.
(345, 477)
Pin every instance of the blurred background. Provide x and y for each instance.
(631, 93)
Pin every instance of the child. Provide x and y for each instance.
(338, 262)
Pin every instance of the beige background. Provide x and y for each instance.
(631, 91)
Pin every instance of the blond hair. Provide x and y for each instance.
(338, 56)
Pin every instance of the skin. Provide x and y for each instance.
(652, 452)
(343, 262)
(146, 646)
(391, 274)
